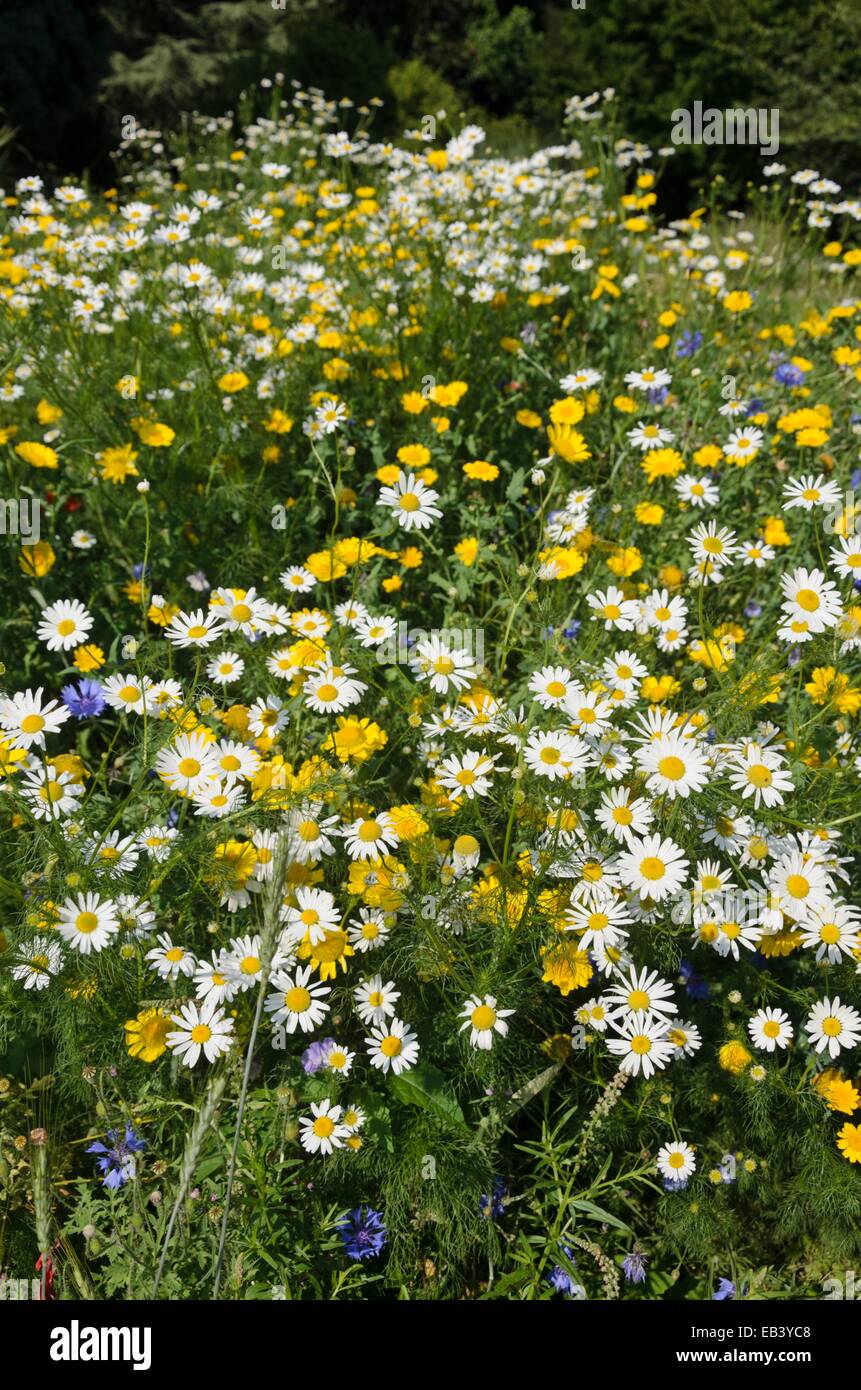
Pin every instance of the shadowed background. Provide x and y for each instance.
(70, 70)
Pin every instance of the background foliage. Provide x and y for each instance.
(68, 73)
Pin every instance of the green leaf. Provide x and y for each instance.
(515, 487)
(599, 1214)
(426, 1087)
(532, 1088)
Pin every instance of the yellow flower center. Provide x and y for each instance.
(466, 844)
(672, 768)
(759, 775)
(652, 868)
(86, 922)
(807, 599)
(483, 1017)
(297, 1000)
(201, 1033)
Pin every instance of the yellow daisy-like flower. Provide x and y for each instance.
(10, 757)
(88, 657)
(414, 455)
(278, 423)
(568, 444)
(408, 823)
(411, 558)
(354, 740)
(481, 471)
(467, 550)
(36, 560)
(325, 566)
(38, 455)
(737, 301)
(232, 382)
(567, 411)
(118, 463)
(842, 1096)
(649, 513)
(662, 463)
(327, 954)
(566, 967)
(734, 1057)
(849, 1143)
(449, 395)
(153, 433)
(146, 1034)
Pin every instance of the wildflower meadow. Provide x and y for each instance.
(429, 708)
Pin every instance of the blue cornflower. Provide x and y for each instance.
(855, 478)
(572, 629)
(689, 343)
(752, 609)
(656, 395)
(314, 1056)
(674, 1184)
(788, 375)
(141, 571)
(363, 1233)
(85, 699)
(117, 1162)
(725, 1289)
(492, 1204)
(694, 986)
(634, 1267)
(561, 1280)
(756, 407)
